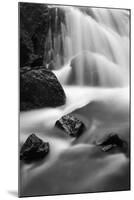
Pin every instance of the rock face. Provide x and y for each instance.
(36, 23)
(110, 141)
(40, 88)
(34, 149)
(71, 125)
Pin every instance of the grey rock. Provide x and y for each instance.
(111, 141)
(71, 125)
(39, 88)
(34, 149)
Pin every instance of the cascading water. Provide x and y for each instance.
(104, 35)
(91, 55)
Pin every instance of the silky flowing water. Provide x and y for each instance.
(100, 38)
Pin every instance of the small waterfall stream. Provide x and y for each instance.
(103, 35)
(92, 64)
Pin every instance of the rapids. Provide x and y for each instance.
(99, 38)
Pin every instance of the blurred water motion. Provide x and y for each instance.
(104, 36)
(94, 71)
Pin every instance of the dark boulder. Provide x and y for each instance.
(71, 125)
(39, 88)
(110, 141)
(34, 149)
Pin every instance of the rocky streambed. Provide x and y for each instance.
(74, 100)
(92, 161)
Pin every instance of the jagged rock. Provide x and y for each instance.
(110, 141)
(34, 149)
(40, 88)
(71, 125)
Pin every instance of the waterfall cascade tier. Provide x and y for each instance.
(88, 50)
(104, 34)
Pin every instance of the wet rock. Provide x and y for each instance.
(110, 141)
(71, 125)
(30, 68)
(39, 88)
(34, 149)
(35, 22)
(37, 62)
(25, 69)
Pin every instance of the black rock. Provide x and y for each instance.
(35, 22)
(39, 88)
(25, 69)
(71, 125)
(110, 141)
(37, 62)
(34, 149)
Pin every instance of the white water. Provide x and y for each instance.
(105, 37)
(102, 41)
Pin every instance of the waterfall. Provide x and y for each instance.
(101, 34)
(88, 50)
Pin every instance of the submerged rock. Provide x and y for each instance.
(39, 88)
(71, 125)
(110, 141)
(34, 149)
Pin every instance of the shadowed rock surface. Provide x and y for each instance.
(34, 149)
(110, 141)
(71, 125)
(40, 88)
(36, 23)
